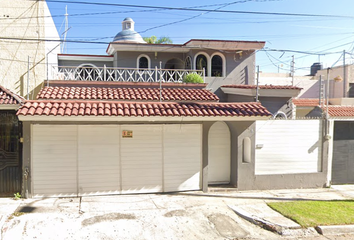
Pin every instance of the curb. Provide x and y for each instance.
(335, 229)
(281, 230)
(294, 231)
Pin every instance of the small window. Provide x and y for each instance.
(246, 150)
(202, 62)
(216, 66)
(188, 63)
(128, 26)
(143, 62)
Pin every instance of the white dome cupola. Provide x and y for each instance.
(128, 34)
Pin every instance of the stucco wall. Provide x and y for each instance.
(14, 53)
(248, 180)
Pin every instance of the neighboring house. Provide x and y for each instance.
(24, 25)
(10, 146)
(303, 106)
(276, 98)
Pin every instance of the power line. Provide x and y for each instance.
(202, 10)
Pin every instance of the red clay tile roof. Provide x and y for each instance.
(126, 93)
(8, 97)
(306, 102)
(340, 111)
(144, 109)
(262, 87)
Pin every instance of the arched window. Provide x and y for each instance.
(143, 62)
(216, 66)
(188, 63)
(280, 115)
(202, 62)
(87, 72)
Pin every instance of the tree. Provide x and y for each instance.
(154, 40)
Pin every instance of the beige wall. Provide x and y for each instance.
(23, 21)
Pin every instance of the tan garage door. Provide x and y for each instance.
(54, 164)
(71, 160)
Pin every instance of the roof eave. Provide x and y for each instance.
(118, 119)
(9, 106)
(262, 92)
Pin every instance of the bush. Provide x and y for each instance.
(193, 78)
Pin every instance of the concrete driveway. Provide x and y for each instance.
(188, 215)
(147, 216)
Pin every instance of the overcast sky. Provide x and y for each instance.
(326, 34)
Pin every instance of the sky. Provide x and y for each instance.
(309, 39)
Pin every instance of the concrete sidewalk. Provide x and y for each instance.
(252, 206)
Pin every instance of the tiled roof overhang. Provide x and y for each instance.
(126, 93)
(85, 110)
(346, 112)
(305, 102)
(262, 87)
(264, 90)
(9, 100)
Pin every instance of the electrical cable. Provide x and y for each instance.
(200, 10)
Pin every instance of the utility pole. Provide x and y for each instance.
(63, 47)
(28, 72)
(257, 89)
(320, 102)
(344, 77)
(292, 70)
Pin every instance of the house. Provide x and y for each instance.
(10, 146)
(88, 138)
(127, 123)
(25, 59)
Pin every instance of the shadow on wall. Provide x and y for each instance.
(244, 76)
(20, 85)
(312, 92)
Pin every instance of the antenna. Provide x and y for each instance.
(63, 47)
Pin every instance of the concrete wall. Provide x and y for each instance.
(273, 104)
(14, 53)
(71, 63)
(239, 70)
(243, 175)
(248, 180)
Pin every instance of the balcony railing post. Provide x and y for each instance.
(104, 73)
(204, 74)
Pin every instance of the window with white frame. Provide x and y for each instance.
(202, 62)
(188, 63)
(143, 62)
(216, 66)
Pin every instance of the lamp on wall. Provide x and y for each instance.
(338, 79)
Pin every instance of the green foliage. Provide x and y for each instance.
(17, 196)
(315, 213)
(193, 78)
(154, 40)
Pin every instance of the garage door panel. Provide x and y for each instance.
(54, 154)
(182, 164)
(141, 158)
(98, 159)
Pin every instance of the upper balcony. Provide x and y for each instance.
(109, 74)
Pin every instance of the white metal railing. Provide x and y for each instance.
(121, 74)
